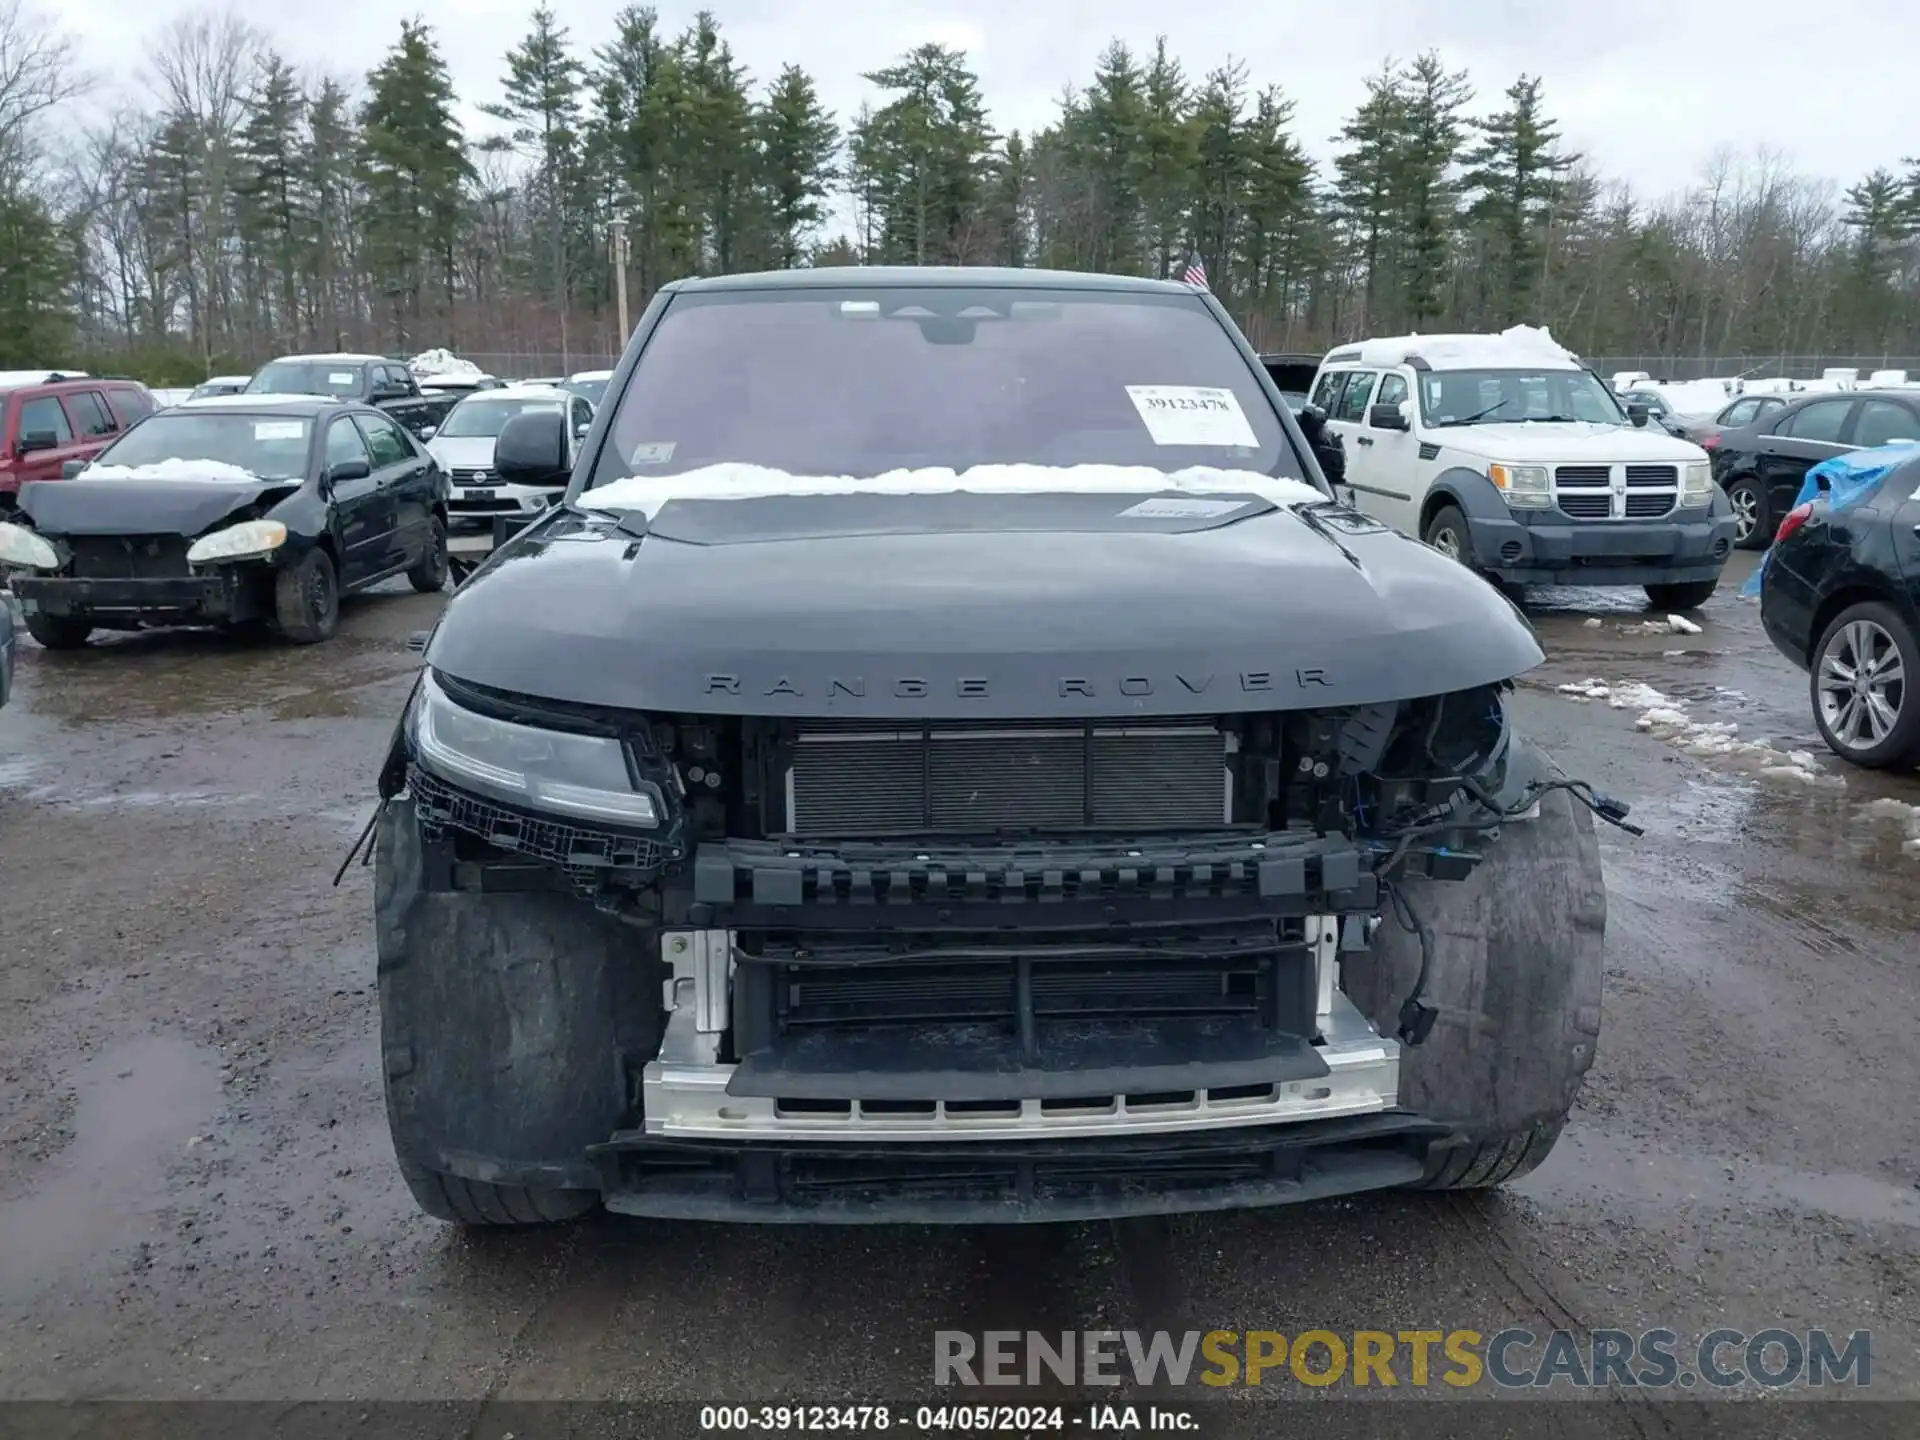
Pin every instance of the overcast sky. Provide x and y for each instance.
(1648, 90)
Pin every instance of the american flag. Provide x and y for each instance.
(1196, 271)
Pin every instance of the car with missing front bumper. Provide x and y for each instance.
(951, 758)
(237, 511)
(1509, 455)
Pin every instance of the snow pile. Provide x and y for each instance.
(1671, 625)
(1908, 816)
(1666, 718)
(650, 493)
(173, 468)
(444, 364)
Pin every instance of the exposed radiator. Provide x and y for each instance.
(129, 557)
(856, 779)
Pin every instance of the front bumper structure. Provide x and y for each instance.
(1551, 549)
(196, 599)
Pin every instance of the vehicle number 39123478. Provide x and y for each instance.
(923, 1419)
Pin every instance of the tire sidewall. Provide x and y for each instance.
(435, 566)
(1759, 537)
(1451, 518)
(296, 590)
(1902, 745)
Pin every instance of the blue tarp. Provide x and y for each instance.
(1843, 481)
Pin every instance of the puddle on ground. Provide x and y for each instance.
(1588, 1163)
(137, 1107)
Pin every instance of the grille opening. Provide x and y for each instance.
(1078, 1105)
(851, 779)
(995, 1108)
(1152, 1098)
(796, 1105)
(898, 1107)
(1241, 1092)
(129, 557)
(1597, 477)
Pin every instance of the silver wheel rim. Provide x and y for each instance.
(1862, 685)
(1446, 542)
(1746, 513)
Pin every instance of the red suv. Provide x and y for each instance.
(47, 420)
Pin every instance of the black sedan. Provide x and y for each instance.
(247, 511)
(1841, 599)
(1761, 465)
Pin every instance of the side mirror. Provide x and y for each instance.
(532, 449)
(348, 470)
(71, 468)
(1387, 417)
(580, 430)
(1637, 413)
(427, 432)
(34, 440)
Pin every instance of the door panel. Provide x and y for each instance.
(43, 414)
(1801, 439)
(402, 472)
(1391, 469)
(361, 508)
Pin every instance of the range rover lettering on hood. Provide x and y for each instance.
(980, 687)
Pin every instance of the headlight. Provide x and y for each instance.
(1525, 487)
(20, 546)
(1696, 484)
(550, 770)
(249, 540)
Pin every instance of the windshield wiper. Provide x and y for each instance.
(1477, 415)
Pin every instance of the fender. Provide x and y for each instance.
(1471, 490)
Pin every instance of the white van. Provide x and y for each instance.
(1507, 453)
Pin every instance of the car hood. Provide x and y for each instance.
(137, 501)
(1576, 444)
(1120, 593)
(465, 452)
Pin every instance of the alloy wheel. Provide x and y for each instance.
(1446, 542)
(1862, 685)
(1746, 512)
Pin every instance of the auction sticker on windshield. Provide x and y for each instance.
(279, 429)
(653, 452)
(1192, 415)
(340, 377)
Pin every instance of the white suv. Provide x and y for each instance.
(1509, 454)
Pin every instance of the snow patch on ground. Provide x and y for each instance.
(1671, 625)
(1666, 718)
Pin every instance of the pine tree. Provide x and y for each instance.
(273, 215)
(539, 101)
(1221, 176)
(1009, 207)
(1109, 125)
(639, 132)
(1428, 195)
(36, 267)
(925, 158)
(1514, 174)
(1365, 191)
(332, 257)
(719, 138)
(414, 173)
(795, 142)
(1167, 155)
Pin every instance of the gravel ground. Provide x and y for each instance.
(198, 1199)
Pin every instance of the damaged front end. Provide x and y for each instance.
(875, 970)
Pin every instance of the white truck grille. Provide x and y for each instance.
(1616, 492)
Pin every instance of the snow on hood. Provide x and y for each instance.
(174, 468)
(650, 493)
(443, 363)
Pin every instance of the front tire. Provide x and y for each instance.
(306, 599)
(1447, 532)
(59, 632)
(1752, 515)
(1860, 681)
(475, 1202)
(1688, 596)
(430, 574)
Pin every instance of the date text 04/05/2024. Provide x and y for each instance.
(945, 1419)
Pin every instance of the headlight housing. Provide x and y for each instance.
(1524, 487)
(20, 546)
(1696, 484)
(584, 776)
(249, 540)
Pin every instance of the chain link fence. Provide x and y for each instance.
(1716, 367)
(534, 364)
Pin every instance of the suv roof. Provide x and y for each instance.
(1521, 347)
(16, 379)
(834, 277)
(341, 355)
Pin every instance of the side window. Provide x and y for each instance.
(395, 376)
(89, 414)
(384, 439)
(1741, 412)
(1822, 421)
(43, 415)
(1353, 400)
(1767, 406)
(1327, 389)
(1882, 422)
(128, 404)
(1393, 390)
(582, 415)
(344, 444)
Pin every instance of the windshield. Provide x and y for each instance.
(862, 381)
(307, 377)
(591, 390)
(483, 419)
(273, 447)
(1506, 397)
